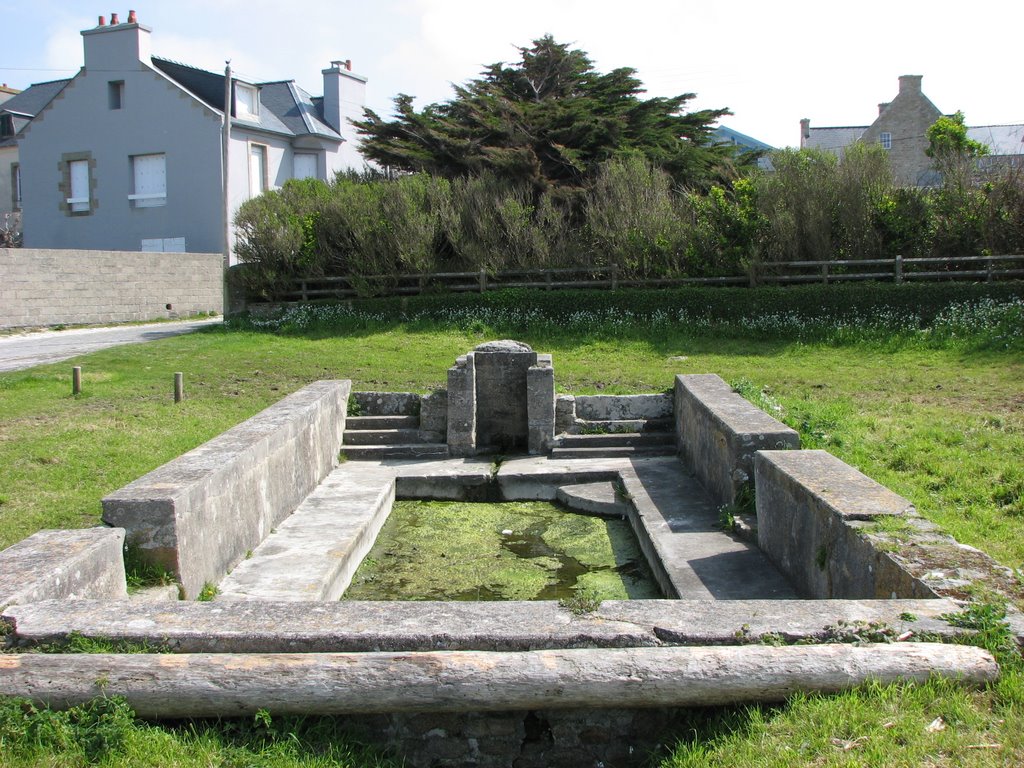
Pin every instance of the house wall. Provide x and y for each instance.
(8, 156)
(907, 118)
(156, 116)
(50, 287)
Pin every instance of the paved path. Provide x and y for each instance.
(30, 349)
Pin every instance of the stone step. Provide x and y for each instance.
(612, 451)
(313, 553)
(382, 437)
(397, 451)
(381, 422)
(603, 499)
(645, 439)
(665, 424)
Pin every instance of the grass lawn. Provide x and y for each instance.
(942, 425)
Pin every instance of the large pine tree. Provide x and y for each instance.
(548, 120)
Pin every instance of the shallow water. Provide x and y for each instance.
(437, 550)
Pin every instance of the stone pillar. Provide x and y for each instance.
(462, 406)
(434, 416)
(565, 413)
(540, 404)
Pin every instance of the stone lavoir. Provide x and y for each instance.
(273, 518)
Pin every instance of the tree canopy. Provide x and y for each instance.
(549, 120)
(947, 138)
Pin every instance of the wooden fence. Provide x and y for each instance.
(898, 270)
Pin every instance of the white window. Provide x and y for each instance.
(78, 170)
(149, 181)
(304, 165)
(247, 100)
(163, 245)
(115, 94)
(258, 179)
(886, 140)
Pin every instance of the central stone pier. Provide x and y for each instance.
(501, 397)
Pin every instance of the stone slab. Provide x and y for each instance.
(290, 627)
(811, 514)
(198, 515)
(83, 563)
(313, 554)
(623, 407)
(387, 403)
(594, 498)
(719, 432)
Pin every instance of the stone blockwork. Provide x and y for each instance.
(811, 511)
(199, 514)
(86, 563)
(52, 287)
(718, 433)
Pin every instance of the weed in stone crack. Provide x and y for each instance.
(353, 408)
(860, 631)
(821, 558)
(581, 603)
(208, 592)
(908, 616)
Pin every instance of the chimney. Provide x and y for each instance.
(102, 22)
(116, 46)
(344, 97)
(882, 106)
(805, 131)
(910, 83)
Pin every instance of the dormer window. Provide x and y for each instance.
(247, 100)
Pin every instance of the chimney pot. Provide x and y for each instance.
(103, 21)
(348, 64)
(113, 19)
(132, 19)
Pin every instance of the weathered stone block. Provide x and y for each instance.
(623, 407)
(565, 413)
(388, 403)
(540, 406)
(85, 563)
(199, 514)
(434, 413)
(811, 513)
(718, 433)
(462, 407)
(502, 419)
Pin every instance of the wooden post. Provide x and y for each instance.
(179, 387)
(615, 277)
(988, 270)
(483, 280)
(824, 273)
(753, 273)
(899, 269)
(547, 279)
(76, 380)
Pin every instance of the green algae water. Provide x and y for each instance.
(528, 550)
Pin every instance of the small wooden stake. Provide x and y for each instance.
(76, 380)
(179, 387)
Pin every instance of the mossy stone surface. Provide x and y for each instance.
(435, 550)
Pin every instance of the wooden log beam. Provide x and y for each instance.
(224, 685)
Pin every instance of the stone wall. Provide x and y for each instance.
(53, 287)
(198, 515)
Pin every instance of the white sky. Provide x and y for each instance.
(771, 63)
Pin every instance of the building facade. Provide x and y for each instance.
(128, 156)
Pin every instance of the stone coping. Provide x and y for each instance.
(291, 627)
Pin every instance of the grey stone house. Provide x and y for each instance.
(16, 112)
(901, 128)
(128, 155)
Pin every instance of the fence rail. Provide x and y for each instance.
(897, 270)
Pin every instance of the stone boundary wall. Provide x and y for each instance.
(718, 433)
(815, 515)
(198, 515)
(54, 287)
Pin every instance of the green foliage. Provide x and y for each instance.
(947, 138)
(208, 592)
(545, 123)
